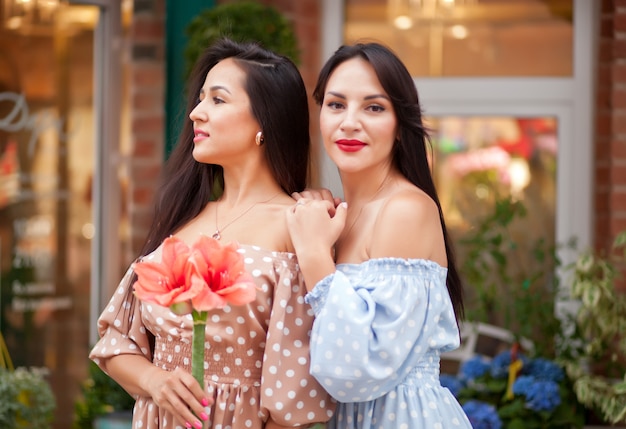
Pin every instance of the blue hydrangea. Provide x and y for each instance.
(544, 369)
(482, 415)
(500, 364)
(473, 368)
(541, 395)
(523, 384)
(452, 383)
(544, 397)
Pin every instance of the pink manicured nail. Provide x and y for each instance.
(204, 402)
(197, 424)
(188, 425)
(204, 416)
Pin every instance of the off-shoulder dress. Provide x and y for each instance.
(256, 355)
(380, 327)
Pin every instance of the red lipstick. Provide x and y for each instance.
(350, 145)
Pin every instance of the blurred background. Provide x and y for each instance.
(525, 100)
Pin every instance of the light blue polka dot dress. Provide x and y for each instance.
(379, 329)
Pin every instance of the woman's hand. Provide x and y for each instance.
(179, 393)
(314, 226)
(317, 194)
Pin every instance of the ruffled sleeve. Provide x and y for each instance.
(375, 321)
(120, 326)
(290, 395)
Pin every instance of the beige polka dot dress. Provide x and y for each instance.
(256, 355)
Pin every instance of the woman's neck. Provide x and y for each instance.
(361, 189)
(247, 188)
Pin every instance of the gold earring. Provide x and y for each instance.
(259, 138)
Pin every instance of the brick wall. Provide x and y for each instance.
(610, 144)
(147, 90)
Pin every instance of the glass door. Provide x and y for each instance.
(49, 142)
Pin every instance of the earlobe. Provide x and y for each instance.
(259, 138)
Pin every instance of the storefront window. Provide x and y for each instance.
(47, 150)
(481, 163)
(464, 38)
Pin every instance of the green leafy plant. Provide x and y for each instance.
(101, 395)
(511, 280)
(242, 21)
(26, 398)
(599, 370)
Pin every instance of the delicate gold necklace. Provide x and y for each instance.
(217, 234)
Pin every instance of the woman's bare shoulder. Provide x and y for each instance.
(408, 226)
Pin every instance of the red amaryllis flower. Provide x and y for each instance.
(166, 283)
(194, 280)
(218, 273)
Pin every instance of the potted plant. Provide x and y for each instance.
(588, 341)
(26, 398)
(511, 278)
(599, 367)
(104, 403)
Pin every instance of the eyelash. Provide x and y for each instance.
(374, 107)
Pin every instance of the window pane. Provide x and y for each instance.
(484, 166)
(46, 172)
(469, 37)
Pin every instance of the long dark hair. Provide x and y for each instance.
(278, 102)
(410, 149)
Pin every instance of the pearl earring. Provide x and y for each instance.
(259, 138)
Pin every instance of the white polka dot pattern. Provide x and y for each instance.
(379, 330)
(255, 355)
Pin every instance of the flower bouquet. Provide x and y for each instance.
(512, 391)
(193, 280)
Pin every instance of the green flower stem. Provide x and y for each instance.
(197, 348)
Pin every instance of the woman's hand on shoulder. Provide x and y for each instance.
(322, 194)
(314, 227)
(408, 226)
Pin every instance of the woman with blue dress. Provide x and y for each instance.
(379, 267)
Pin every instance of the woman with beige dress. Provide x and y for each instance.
(244, 151)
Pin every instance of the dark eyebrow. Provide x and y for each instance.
(217, 87)
(368, 97)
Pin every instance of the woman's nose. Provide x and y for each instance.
(197, 113)
(350, 120)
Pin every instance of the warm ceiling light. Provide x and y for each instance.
(403, 22)
(459, 31)
(32, 15)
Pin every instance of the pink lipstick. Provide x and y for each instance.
(199, 135)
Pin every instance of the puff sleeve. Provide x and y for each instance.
(289, 394)
(375, 322)
(120, 326)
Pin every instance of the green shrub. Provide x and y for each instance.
(26, 399)
(100, 395)
(242, 21)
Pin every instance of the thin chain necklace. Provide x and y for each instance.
(380, 188)
(217, 234)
